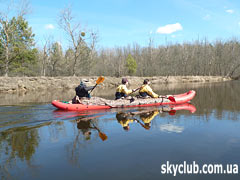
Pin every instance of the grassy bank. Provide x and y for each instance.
(15, 84)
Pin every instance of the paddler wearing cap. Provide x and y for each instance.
(122, 91)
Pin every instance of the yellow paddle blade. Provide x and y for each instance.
(100, 80)
(102, 136)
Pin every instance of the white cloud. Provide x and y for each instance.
(49, 26)
(171, 128)
(173, 36)
(170, 28)
(230, 11)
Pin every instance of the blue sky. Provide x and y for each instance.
(123, 22)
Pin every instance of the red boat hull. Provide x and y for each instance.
(179, 98)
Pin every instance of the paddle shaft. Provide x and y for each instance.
(99, 80)
(93, 88)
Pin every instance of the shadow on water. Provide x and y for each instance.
(33, 132)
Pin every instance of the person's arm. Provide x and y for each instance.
(150, 92)
(89, 88)
(150, 117)
(126, 90)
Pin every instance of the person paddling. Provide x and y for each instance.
(145, 90)
(81, 91)
(122, 91)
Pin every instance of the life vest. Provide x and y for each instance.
(147, 118)
(147, 89)
(122, 91)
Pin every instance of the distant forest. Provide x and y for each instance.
(19, 55)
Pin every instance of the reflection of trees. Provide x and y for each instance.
(218, 99)
(17, 143)
(84, 134)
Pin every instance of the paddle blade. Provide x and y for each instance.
(100, 80)
(102, 136)
(171, 98)
(172, 112)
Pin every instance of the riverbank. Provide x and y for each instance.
(23, 84)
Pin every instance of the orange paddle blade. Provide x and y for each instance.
(102, 136)
(100, 80)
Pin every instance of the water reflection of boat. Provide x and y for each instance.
(147, 115)
(71, 114)
(100, 103)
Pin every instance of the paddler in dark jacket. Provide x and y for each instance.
(122, 91)
(85, 127)
(81, 91)
(146, 90)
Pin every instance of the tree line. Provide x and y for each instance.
(19, 55)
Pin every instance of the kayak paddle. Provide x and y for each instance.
(98, 81)
(102, 135)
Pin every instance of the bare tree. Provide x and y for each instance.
(7, 30)
(75, 33)
(45, 55)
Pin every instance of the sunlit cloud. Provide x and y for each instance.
(49, 26)
(230, 11)
(170, 28)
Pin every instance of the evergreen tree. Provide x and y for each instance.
(131, 65)
(17, 46)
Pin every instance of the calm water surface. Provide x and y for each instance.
(39, 142)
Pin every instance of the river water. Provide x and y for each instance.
(39, 142)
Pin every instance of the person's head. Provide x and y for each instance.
(146, 81)
(124, 81)
(82, 83)
(87, 134)
(126, 128)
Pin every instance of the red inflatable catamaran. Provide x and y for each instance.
(99, 103)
